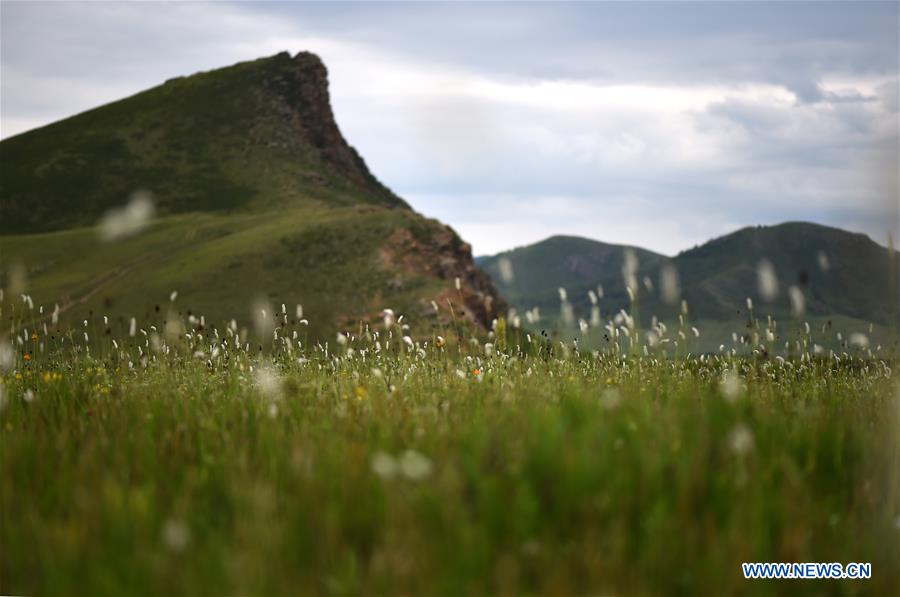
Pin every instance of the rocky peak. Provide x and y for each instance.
(301, 87)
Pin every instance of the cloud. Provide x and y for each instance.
(654, 124)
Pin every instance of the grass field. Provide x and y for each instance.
(178, 460)
(333, 260)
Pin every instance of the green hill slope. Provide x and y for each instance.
(258, 197)
(576, 264)
(854, 277)
(254, 135)
(843, 278)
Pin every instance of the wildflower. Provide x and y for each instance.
(562, 294)
(29, 395)
(414, 466)
(629, 271)
(859, 340)
(504, 265)
(457, 283)
(439, 342)
(766, 280)
(34, 337)
(173, 296)
(488, 349)
(798, 302)
(268, 381)
(175, 535)
(408, 341)
(567, 312)
(126, 221)
(695, 331)
(749, 304)
(341, 339)
(476, 372)
(27, 357)
(361, 393)
(670, 287)
(384, 465)
(610, 398)
(741, 440)
(731, 386)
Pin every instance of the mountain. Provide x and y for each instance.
(842, 276)
(576, 264)
(256, 194)
(256, 135)
(839, 272)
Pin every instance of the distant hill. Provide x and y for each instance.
(841, 275)
(576, 264)
(856, 280)
(256, 193)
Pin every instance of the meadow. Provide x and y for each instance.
(185, 458)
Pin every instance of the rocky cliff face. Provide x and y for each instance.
(435, 250)
(301, 96)
(441, 253)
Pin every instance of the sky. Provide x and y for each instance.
(660, 125)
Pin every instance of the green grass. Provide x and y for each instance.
(209, 469)
(328, 259)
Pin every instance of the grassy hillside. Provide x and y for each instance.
(858, 278)
(254, 135)
(339, 263)
(258, 198)
(847, 281)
